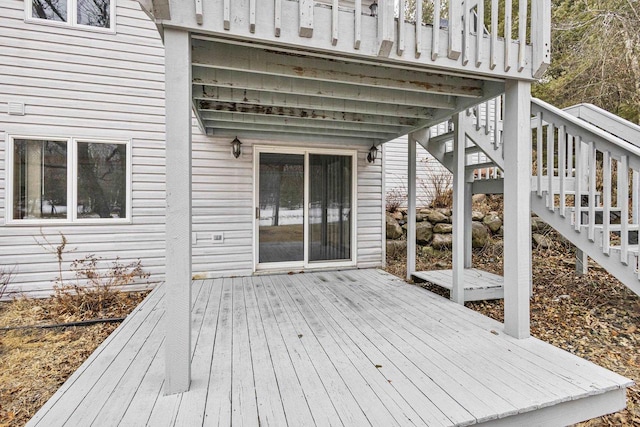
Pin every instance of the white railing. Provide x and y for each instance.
(478, 33)
(586, 173)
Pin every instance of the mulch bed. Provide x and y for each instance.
(34, 363)
(592, 316)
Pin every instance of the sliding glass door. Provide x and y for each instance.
(304, 209)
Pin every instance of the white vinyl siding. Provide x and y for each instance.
(396, 170)
(89, 86)
(92, 85)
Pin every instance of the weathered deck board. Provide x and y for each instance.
(353, 348)
(479, 285)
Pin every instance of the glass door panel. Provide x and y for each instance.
(281, 208)
(329, 207)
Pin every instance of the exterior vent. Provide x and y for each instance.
(16, 109)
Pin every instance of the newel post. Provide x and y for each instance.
(178, 216)
(517, 208)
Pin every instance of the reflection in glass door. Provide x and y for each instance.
(329, 207)
(281, 208)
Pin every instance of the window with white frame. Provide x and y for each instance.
(93, 14)
(68, 180)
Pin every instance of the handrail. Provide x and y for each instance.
(602, 119)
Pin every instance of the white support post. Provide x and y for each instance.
(540, 36)
(459, 142)
(178, 217)
(517, 208)
(468, 224)
(411, 207)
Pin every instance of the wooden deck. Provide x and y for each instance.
(352, 348)
(479, 285)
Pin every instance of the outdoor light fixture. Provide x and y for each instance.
(373, 7)
(235, 144)
(373, 154)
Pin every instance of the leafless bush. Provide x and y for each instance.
(395, 199)
(438, 186)
(6, 275)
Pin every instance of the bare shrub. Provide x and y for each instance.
(6, 275)
(396, 197)
(96, 288)
(438, 186)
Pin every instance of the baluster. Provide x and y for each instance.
(334, 21)
(435, 39)
(606, 203)
(401, 32)
(466, 22)
(199, 12)
(480, 31)
(635, 202)
(592, 190)
(358, 24)
(570, 155)
(562, 172)
(252, 16)
(305, 11)
(434, 32)
(540, 36)
(497, 112)
(277, 19)
(226, 13)
(539, 154)
(507, 35)
(487, 117)
(578, 184)
(455, 30)
(623, 202)
(494, 35)
(522, 34)
(550, 167)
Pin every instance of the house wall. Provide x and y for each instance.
(87, 84)
(428, 169)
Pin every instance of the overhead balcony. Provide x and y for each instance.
(474, 37)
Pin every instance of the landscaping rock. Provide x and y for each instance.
(477, 198)
(394, 231)
(443, 228)
(540, 241)
(538, 224)
(424, 232)
(442, 241)
(493, 221)
(479, 235)
(396, 248)
(444, 211)
(436, 217)
(420, 217)
(500, 232)
(477, 216)
(397, 215)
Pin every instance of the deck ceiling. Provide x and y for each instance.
(264, 93)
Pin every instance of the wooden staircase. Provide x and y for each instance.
(582, 151)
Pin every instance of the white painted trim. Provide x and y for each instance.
(305, 264)
(72, 17)
(72, 187)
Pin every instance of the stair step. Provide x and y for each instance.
(440, 139)
(483, 165)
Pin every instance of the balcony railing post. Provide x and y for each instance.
(455, 29)
(540, 36)
(386, 27)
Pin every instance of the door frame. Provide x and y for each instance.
(305, 264)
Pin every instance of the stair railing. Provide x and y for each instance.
(584, 170)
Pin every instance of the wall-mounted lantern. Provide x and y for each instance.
(236, 147)
(373, 154)
(373, 7)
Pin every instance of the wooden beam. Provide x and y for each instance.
(306, 102)
(178, 217)
(274, 130)
(281, 120)
(248, 80)
(305, 24)
(517, 216)
(291, 136)
(229, 57)
(288, 115)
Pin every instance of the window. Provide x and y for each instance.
(93, 14)
(68, 180)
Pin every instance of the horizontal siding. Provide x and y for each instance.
(77, 83)
(84, 84)
(427, 167)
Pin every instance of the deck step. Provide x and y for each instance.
(440, 139)
(479, 285)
